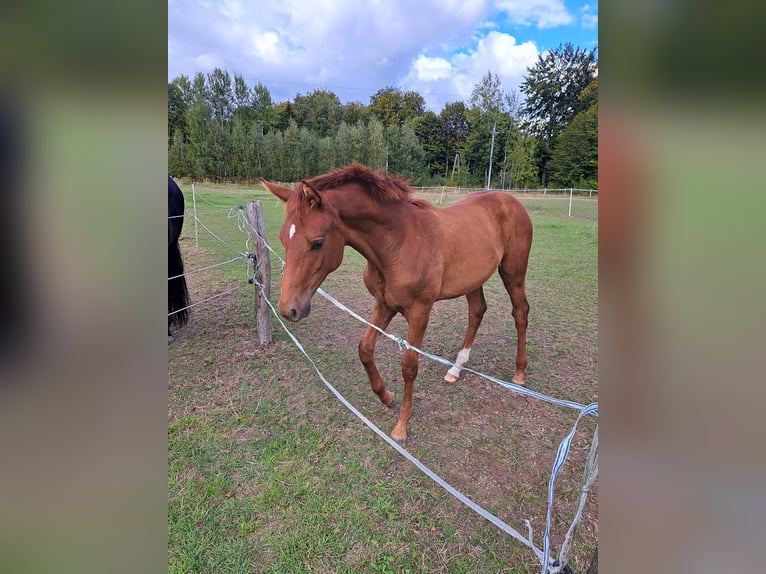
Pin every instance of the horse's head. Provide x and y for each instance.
(313, 245)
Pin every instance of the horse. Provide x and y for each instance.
(416, 254)
(178, 295)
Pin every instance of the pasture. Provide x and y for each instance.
(268, 472)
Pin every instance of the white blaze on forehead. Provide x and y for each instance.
(292, 231)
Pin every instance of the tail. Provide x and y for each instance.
(178, 295)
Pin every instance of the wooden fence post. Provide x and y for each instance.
(262, 271)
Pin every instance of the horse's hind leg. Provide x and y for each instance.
(515, 285)
(381, 317)
(477, 305)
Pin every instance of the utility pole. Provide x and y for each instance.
(455, 163)
(491, 151)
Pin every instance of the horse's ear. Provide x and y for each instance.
(281, 192)
(312, 194)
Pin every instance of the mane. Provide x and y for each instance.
(382, 187)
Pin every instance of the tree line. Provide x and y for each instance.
(221, 129)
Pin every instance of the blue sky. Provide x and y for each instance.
(439, 48)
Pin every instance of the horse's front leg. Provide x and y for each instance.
(381, 317)
(417, 319)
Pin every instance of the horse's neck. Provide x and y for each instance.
(376, 231)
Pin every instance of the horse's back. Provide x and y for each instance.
(499, 217)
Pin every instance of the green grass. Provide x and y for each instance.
(267, 472)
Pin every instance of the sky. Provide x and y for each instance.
(353, 48)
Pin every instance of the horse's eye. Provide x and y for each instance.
(316, 245)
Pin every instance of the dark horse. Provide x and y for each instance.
(416, 255)
(178, 296)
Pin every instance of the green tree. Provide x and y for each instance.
(242, 103)
(519, 169)
(263, 113)
(552, 88)
(326, 158)
(199, 89)
(243, 156)
(376, 145)
(386, 106)
(282, 115)
(413, 105)
(358, 142)
(220, 96)
(309, 150)
(179, 99)
(318, 111)
(291, 158)
(273, 166)
(220, 152)
(429, 128)
(405, 155)
(343, 145)
(353, 112)
(256, 147)
(393, 107)
(456, 129)
(488, 97)
(177, 156)
(199, 130)
(574, 158)
(489, 118)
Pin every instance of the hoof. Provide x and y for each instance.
(450, 378)
(399, 434)
(520, 383)
(400, 441)
(387, 398)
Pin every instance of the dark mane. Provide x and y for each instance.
(381, 186)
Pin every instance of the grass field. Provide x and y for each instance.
(268, 472)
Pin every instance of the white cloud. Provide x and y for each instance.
(429, 69)
(441, 48)
(454, 79)
(542, 13)
(265, 44)
(588, 19)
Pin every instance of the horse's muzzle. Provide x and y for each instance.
(295, 311)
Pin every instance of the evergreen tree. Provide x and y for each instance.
(553, 86)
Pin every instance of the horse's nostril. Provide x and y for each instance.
(293, 314)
